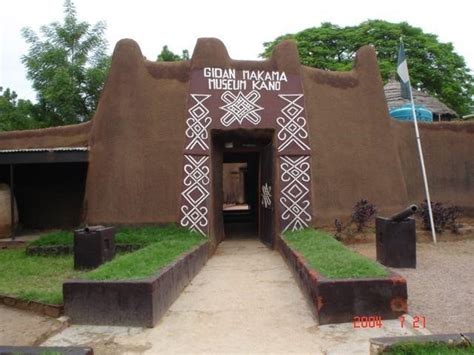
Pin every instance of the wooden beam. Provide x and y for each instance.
(44, 157)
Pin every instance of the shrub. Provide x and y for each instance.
(339, 229)
(363, 211)
(443, 217)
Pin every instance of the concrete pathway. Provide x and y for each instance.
(18, 327)
(245, 300)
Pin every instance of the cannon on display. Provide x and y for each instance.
(396, 239)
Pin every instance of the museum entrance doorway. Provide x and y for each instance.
(244, 184)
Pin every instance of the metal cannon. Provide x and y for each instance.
(407, 212)
(396, 239)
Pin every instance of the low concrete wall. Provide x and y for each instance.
(132, 303)
(339, 301)
(50, 310)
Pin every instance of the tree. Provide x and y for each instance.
(68, 67)
(434, 66)
(16, 114)
(168, 56)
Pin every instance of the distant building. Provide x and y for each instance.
(440, 111)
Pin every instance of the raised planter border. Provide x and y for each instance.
(41, 350)
(381, 345)
(11, 244)
(132, 303)
(54, 250)
(46, 309)
(340, 300)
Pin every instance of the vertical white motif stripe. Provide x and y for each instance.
(196, 193)
(198, 123)
(292, 125)
(295, 196)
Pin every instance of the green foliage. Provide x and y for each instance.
(40, 278)
(16, 114)
(152, 234)
(429, 349)
(167, 55)
(54, 239)
(147, 261)
(68, 67)
(331, 258)
(434, 66)
(35, 278)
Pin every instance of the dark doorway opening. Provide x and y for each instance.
(240, 192)
(48, 195)
(242, 163)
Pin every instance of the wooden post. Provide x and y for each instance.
(12, 204)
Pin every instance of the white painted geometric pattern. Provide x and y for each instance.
(196, 182)
(293, 127)
(241, 107)
(266, 195)
(294, 198)
(198, 123)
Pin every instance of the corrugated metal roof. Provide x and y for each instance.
(58, 149)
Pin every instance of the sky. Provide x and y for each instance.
(242, 25)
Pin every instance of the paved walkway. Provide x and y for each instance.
(244, 300)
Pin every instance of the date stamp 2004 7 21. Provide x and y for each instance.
(364, 322)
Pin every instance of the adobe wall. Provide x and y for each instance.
(354, 155)
(137, 138)
(54, 137)
(138, 133)
(449, 159)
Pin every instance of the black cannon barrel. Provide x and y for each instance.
(407, 212)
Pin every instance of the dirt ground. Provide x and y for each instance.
(24, 328)
(441, 288)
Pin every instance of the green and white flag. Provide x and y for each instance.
(402, 71)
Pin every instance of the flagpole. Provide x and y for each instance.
(422, 162)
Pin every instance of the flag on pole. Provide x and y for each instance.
(402, 71)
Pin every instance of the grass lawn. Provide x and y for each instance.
(142, 235)
(428, 349)
(330, 257)
(145, 262)
(35, 278)
(40, 278)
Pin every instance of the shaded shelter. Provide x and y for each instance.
(441, 112)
